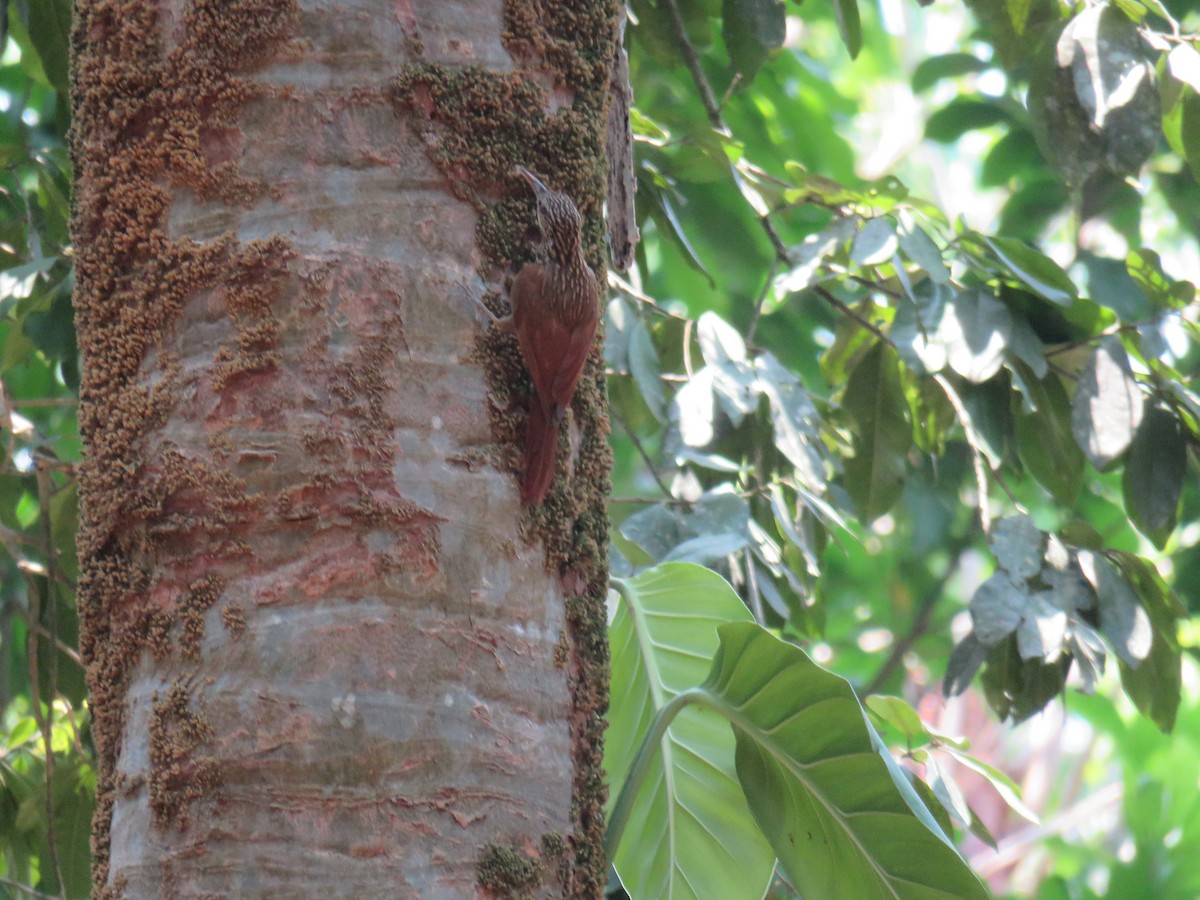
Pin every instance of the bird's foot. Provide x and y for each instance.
(503, 323)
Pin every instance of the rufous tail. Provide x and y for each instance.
(541, 443)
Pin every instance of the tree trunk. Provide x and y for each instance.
(330, 654)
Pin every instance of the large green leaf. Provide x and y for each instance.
(838, 811)
(690, 833)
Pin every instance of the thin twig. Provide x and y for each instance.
(44, 401)
(629, 290)
(761, 301)
(692, 60)
(637, 443)
(45, 485)
(916, 629)
(64, 648)
(847, 311)
(713, 108)
(26, 889)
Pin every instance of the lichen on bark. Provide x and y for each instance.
(148, 122)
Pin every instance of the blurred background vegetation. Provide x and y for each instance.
(907, 354)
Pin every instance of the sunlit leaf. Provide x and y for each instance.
(897, 713)
(1036, 270)
(691, 809)
(1018, 545)
(875, 244)
(1108, 404)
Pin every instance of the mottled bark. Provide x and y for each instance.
(330, 654)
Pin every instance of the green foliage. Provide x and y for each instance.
(989, 417)
(46, 795)
(829, 800)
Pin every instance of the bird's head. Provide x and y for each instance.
(559, 218)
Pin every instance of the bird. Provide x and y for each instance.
(555, 303)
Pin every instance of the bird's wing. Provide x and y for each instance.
(543, 337)
(574, 355)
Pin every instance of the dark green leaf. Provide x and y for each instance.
(1155, 685)
(997, 608)
(947, 791)
(933, 69)
(1154, 474)
(1045, 442)
(849, 25)
(752, 30)
(874, 399)
(1110, 284)
(1018, 688)
(931, 801)
(951, 122)
(794, 420)
(1122, 619)
(663, 211)
(715, 526)
(49, 32)
(1093, 96)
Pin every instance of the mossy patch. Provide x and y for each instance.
(548, 115)
(506, 873)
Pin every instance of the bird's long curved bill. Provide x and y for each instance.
(534, 181)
